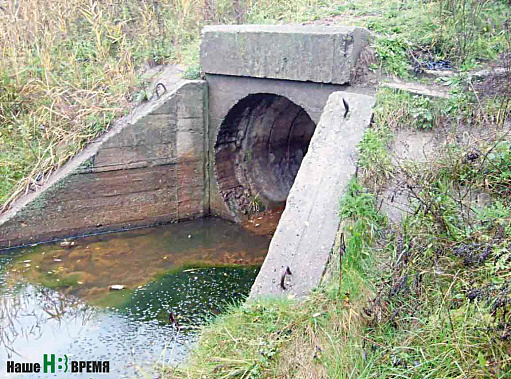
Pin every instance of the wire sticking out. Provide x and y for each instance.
(346, 107)
(287, 271)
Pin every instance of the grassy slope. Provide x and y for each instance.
(69, 68)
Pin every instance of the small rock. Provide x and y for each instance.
(27, 261)
(67, 244)
(57, 260)
(116, 287)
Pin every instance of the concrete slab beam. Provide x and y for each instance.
(306, 232)
(293, 52)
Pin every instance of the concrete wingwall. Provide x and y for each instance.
(301, 246)
(148, 169)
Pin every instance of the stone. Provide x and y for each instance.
(116, 287)
(306, 232)
(321, 54)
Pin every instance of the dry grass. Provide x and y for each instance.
(300, 357)
(65, 69)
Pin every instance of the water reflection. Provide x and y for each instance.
(28, 312)
(57, 300)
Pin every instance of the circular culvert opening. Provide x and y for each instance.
(258, 151)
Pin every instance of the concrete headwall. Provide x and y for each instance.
(226, 91)
(149, 168)
(308, 53)
(268, 85)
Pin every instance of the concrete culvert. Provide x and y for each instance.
(258, 151)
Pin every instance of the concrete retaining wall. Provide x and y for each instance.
(149, 168)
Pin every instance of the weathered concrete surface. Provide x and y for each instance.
(225, 92)
(432, 91)
(293, 52)
(149, 168)
(306, 232)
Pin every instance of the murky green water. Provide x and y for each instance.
(57, 299)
